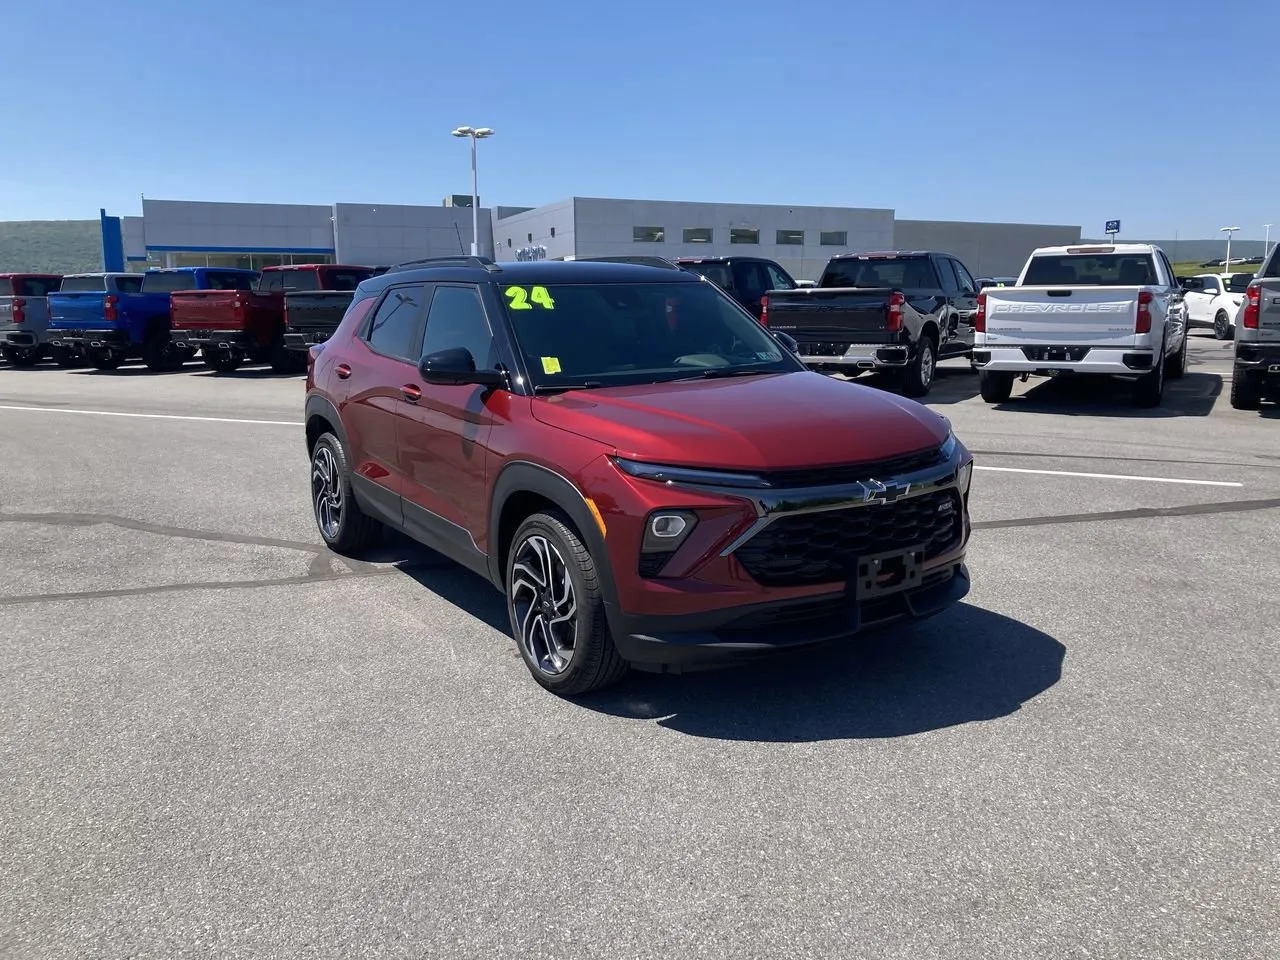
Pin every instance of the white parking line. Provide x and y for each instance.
(154, 416)
(1113, 476)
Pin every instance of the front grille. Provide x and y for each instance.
(854, 472)
(820, 547)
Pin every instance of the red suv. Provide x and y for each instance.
(650, 476)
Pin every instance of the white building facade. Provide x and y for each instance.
(800, 238)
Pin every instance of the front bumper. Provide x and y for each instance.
(705, 640)
(78, 338)
(856, 356)
(1052, 359)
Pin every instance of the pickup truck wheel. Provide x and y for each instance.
(918, 375)
(223, 364)
(1176, 366)
(1222, 326)
(106, 360)
(1149, 390)
(63, 357)
(344, 527)
(995, 387)
(159, 354)
(1245, 394)
(23, 358)
(557, 609)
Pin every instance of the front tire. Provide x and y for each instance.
(557, 609)
(1222, 326)
(343, 526)
(994, 386)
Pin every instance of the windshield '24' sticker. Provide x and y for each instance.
(527, 298)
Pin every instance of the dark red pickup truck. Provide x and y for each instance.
(289, 309)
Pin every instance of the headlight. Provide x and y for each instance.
(963, 476)
(949, 447)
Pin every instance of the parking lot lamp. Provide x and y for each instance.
(1228, 231)
(1266, 244)
(474, 133)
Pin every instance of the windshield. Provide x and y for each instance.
(900, 273)
(1091, 270)
(1238, 282)
(158, 282)
(612, 334)
(83, 285)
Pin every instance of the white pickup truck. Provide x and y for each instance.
(1106, 310)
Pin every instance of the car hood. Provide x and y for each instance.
(772, 422)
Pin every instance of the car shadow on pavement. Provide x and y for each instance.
(1192, 396)
(965, 666)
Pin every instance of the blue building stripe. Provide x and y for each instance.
(112, 242)
(168, 249)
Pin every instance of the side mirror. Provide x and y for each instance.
(786, 339)
(456, 367)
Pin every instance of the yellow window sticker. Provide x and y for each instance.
(526, 298)
(550, 365)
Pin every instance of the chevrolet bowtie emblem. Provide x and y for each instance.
(873, 491)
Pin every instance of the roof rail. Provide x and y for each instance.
(484, 263)
(644, 261)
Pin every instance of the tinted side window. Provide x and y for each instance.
(457, 319)
(38, 286)
(947, 275)
(129, 284)
(229, 281)
(395, 324)
(1272, 269)
(1211, 285)
(964, 277)
(777, 279)
(751, 280)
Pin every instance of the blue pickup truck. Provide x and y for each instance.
(108, 318)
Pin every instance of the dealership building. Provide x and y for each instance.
(802, 239)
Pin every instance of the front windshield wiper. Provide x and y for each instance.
(562, 387)
(745, 370)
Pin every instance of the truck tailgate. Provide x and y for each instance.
(6, 310)
(834, 315)
(205, 309)
(1101, 316)
(1269, 312)
(315, 311)
(87, 309)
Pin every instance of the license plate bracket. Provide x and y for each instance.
(893, 571)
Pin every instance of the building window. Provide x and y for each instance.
(790, 238)
(744, 235)
(530, 238)
(508, 243)
(553, 232)
(697, 234)
(833, 238)
(648, 234)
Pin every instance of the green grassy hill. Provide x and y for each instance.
(50, 246)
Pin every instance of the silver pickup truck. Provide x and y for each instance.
(24, 316)
(1256, 371)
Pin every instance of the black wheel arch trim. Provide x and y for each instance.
(318, 406)
(524, 476)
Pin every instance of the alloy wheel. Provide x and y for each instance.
(1221, 326)
(926, 363)
(545, 605)
(326, 492)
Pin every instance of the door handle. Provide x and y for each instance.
(342, 370)
(411, 393)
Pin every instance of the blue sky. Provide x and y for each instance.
(1071, 113)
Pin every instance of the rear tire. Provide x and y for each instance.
(1176, 366)
(557, 609)
(23, 358)
(1245, 393)
(223, 363)
(159, 354)
(1148, 392)
(343, 526)
(918, 375)
(994, 386)
(1222, 326)
(63, 357)
(106, 360)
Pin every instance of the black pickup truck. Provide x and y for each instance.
(315, 302)
(898, 311)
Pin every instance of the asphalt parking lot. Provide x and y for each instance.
(218, 739)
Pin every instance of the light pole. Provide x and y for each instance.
(1266, 244)
(475, 133)
(1228, 231)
